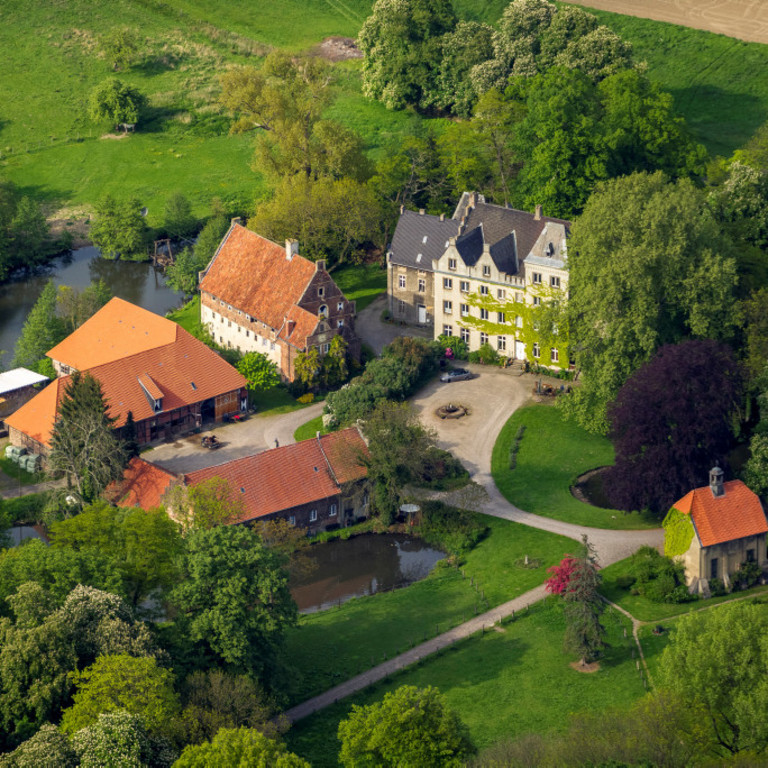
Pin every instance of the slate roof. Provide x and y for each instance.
(290, 476)
(183, 372)
(253, 275)
(409, 239)
(143, 485)
(736, 514)
(117, 330)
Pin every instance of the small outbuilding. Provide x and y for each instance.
(714, 530)
(17, 387)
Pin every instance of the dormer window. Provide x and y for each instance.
(424, 239)
(486, 270)
(452, 264)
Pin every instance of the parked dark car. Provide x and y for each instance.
(457, 374)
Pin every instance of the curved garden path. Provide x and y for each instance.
(492, 398)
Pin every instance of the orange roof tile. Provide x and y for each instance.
(344, 451)
(184, 372)
(283, 478)
(736, 514)
(143, 485)
(117, 330)
(253, 274)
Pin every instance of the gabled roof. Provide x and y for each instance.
(18, 378)
(183, 372)
(736, 514)
(290, 476)
(254, 275)
(420, 234)
(117, 330)
(143, 485)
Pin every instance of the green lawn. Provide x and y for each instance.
(553, 453)
(361, 283)
(275, 401)
(310, 429)
(502, 684)
(16, 475)
(188, 316)
(334, 645)
(646, 610)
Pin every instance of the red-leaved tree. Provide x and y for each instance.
(671, 423)
(557, 583)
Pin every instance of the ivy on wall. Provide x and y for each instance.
(678, 533)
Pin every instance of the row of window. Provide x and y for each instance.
(486, 267)
(313, 515)
(501, 342)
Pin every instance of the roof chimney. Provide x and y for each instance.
(320, 265)
(421, 211)
(289, 326)
(472, 200)
(236, 220)
(291, 248)
(442, 217)
(538, 213)
(716, 482)
(402, 210)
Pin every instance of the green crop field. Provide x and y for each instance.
(52, 62)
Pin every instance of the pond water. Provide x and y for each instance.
(137, 282)
(362, 565)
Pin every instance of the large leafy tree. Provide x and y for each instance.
(178, 220)
(664, 446)
(42, 330)
(583, 606)
(648, 266)
(48, 748)
(118, 228)
(236, 747)
(122, 682)
(182, 275)
(259, 371)
(74, 306)
(410, 726)
(715, 661)
(116, 101)
(234, 598)
(402, 49)
(84, 446)
(141, 545)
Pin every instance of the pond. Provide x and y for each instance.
(137, 282)
(362, 565)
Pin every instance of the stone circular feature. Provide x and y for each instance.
(451, 411)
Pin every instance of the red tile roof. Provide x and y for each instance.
(290, 476)
(736, 514)
(183, 372)
(144, 485)
(117, 330)
(253, 274)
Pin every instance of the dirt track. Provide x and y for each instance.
(743, 19)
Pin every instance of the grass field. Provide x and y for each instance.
(310, 429)
(52, 62)
(646, 610)
(503, 684)
(553, 453)
(361, 283)
(188, 316)
(334, 645)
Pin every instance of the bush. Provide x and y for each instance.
(486, 355)
(453, 530)
(440, 470)
(717, 588)
(659, 578)
(309, 397)
(458, 346)
(748, 575)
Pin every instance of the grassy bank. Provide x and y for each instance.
(361, 283)
(504, 683)
(310, 429)
(552, 454)
(334, 645)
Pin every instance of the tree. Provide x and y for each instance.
(119, 739)
(235, 747)
(182, 275)
(128, 434)
(48, 748)
(178, 219)
(115, 101)
(755, 473)
(715, 661)
(84, 446)
(74, 306)
(122, 682)
(214, 700)
(335, 369)
(42, 330)
(30, 233)
(119, 228)
(410, 726)
(142, 545)
(285, 100)
(648, 266)
(234, 595)
(205, 505)
(557, 583)
(742, 203)
(260, 372)
(331, 218)
(663, 445)
(120, 47)
(307, 367)
(583, 606)
(401, 45)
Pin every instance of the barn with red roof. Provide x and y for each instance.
(715, 530)
(256, 296)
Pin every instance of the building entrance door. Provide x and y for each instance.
(520, 350)
(422, 314)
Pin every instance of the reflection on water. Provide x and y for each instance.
(136, 282)
(362, 565)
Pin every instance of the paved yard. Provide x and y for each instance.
(377, 334)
